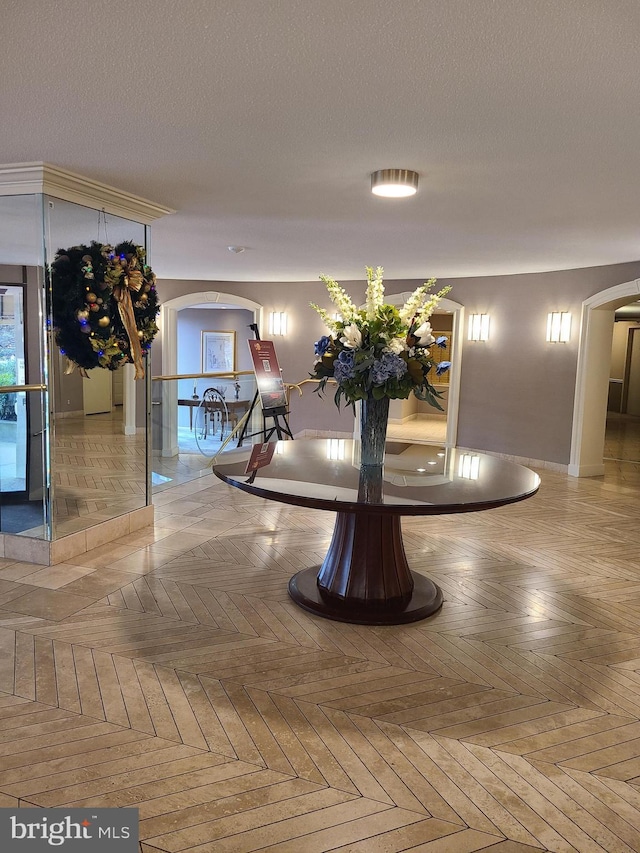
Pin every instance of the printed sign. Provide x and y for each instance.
(69, 830)
(268, 376)
(261, 455)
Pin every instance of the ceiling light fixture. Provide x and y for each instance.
(394, 183)
(236, 249)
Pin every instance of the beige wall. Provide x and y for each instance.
(619, 347)
(517, 391)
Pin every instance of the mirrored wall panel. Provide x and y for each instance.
(98, 422)
(73, 442)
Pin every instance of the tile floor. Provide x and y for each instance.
(168, 670)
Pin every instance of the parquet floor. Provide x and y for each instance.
(170, 671)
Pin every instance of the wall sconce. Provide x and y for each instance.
(277, 323)
(335, 448)
(469, 466)
(478, 327)
(558, 327)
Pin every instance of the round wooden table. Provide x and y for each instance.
(365, 577)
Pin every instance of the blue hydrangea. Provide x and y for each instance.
(442, 367)
(390, 366)
(321, 346)
(344, 366)
(441, 341)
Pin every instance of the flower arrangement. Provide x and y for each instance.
(380, 350)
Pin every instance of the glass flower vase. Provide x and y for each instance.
(374, 415)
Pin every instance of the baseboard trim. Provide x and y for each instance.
(586, 470)
(41, 552)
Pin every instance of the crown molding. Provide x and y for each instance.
(39, 177)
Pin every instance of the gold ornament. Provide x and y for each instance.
(141, 335)
(94, 306)
(91, 297)
(104, 321)
(144, 298)
(82, 315)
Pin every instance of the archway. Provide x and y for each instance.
(453, 397)
(592, 378)
(169, 330)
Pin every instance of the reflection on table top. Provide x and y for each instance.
(417, 479)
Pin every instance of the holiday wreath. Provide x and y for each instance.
(104, 303)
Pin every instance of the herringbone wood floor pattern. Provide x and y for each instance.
(170, 671)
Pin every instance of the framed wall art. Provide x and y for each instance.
(218, 352)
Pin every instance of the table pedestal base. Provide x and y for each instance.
(365, 578)
(426, 599)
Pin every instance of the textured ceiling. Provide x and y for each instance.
(260, 121)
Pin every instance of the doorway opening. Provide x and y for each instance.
(622, 436)
(411, 420)
(592, 395)
(195, 328)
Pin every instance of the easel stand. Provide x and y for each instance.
(280, 424)
(281, 428)
(278, 414)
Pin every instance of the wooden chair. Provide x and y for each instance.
(216, 413)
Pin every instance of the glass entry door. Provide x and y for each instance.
(13, 405)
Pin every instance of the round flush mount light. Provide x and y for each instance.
(236, 249)
(394, 183)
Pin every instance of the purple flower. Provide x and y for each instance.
(344, 366)
(321, 346)
(388, 367)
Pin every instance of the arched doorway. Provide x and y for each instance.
(453, 395)
(169, 331)
(592, 378)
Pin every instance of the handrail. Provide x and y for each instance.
(230, 373)
(11, 389)
(296, 385)
(14, 389)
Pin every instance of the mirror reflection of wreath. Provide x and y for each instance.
(104, 303)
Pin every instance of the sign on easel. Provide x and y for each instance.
(268, 377)
(270, 388)
(261, 455)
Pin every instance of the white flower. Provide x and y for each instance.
(396, 345)
(423, 334)
(340, 298)
(375, 291)
(352, 338)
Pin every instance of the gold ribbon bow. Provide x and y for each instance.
(132, 280)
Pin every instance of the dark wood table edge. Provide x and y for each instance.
(380, 509)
